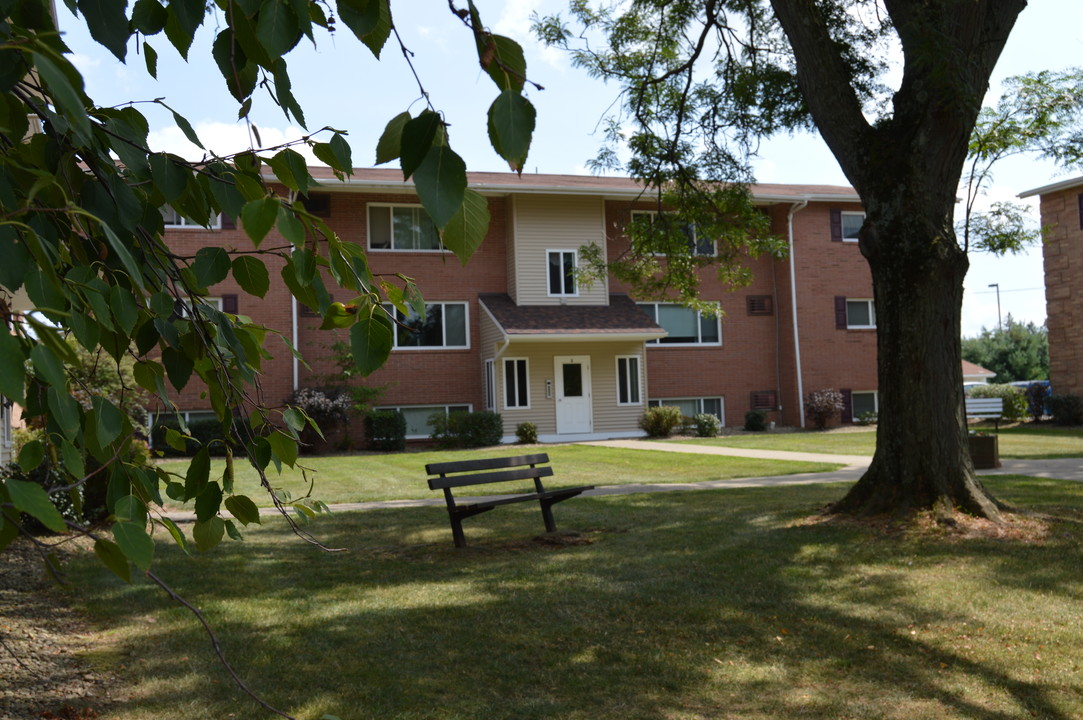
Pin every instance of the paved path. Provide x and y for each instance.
(853, 467)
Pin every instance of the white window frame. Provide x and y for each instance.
(634, 386)
(391, 222)
(659, 342)
(574, 280)
(490, 385)
(466, 329)
(515, 378)
(872, 313)
(657, 402)
(652, 214)
(182, 223)
(446, 407)
(842, 224)
(875, 402)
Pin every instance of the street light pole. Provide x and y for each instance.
(1000, 325)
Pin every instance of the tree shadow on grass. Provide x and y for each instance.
(684, 605)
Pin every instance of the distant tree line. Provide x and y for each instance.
(1018, 351)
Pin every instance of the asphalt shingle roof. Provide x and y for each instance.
(620, 317)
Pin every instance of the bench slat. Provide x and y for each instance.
(438, 483)
(547, 495)
(485, 464)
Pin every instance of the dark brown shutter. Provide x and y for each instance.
(1080, 198)
(228, 223)
(836, 225)
(229, 304)
(840, 312)
(847, 405)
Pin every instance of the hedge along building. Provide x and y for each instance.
(516, 332)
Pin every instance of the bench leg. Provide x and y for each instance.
(457, 530)
(547, 516)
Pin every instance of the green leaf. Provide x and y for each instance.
(148, 374)
(107, 24)
(73, 460)
(31, 455)
(31, 498)
(371, 340)
(390, 145)
(242, 508)
(339, 315)
(466, 230)
(131, 509)
(65, 95)
(175, 439)
(47, 367)
(240, 74)
(503, 59)
(295, 420)
(198, 474)
(441, 184)
(209, 533)
(175, 532)
(135, 543)
(64, 410)
(125, 312)
(12, 368)
(290, 227)
(251, 274)
(170, 178)
(336, 153)
(109, 420)
(258, 217)
(284, 447)
(148, 17)
(233, 531)
(209, 501)
(113, 558)
(370, 21)
(150, 59)
(289, 166)
(417, 139)
(511, 125)
(178, 366)
(17, 259)
(277, 27)
(211, 266)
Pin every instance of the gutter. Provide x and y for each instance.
(794, 209)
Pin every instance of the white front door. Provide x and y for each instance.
(574, 414)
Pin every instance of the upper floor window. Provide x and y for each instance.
(174, 219)
(401, 227)
(684, 325)
(561, 271)
(846, 225)
(445, 326)
(860, 314)
(698, 245)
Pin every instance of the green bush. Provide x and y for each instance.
(526, 433)
(867, 418)
(467, 429)
(385, 430)
(706, 425)
(1015, 399)
(1066, 409)
(756, 420)
(203, 433)
(661, 421)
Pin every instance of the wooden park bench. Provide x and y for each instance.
(985, 409)
(471, 473)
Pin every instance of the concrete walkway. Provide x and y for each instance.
(853, 467)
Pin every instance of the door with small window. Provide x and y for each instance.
(573, 395)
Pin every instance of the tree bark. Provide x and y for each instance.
(906, 168)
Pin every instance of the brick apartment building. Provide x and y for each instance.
(514, 332)
(1062, 256)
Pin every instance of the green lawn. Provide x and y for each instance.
(393, 476)
(1023, 441)
(694, 605)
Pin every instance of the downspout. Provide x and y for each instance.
(794, 209)
(296, 368)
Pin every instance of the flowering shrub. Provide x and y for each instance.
(329, 408)
(706, 425)
(821, 406)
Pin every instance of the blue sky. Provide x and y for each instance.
(341, 85)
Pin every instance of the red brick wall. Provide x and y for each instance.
(1063, 258)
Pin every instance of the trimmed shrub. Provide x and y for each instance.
(822, 406)
(1015, 400)
(526, 433)
(660, 422)
(1037, 394)
(1066, 409)
(867, 418)
(706, 425)
(756, 420)
(385, 430)
(467, 429)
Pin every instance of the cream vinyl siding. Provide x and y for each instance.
(552, 222)
(607, 415)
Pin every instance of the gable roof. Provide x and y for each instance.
(971, 369)
(1053, 187)
(621, 319)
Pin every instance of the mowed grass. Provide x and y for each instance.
(1024, 441)
(735, 603)
(396, 476)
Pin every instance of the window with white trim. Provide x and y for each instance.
(417, 417)
(402, 227)
(851, 225)
(628, 381)
(699, 246)
(684, 325)
(690, 407)
(445, 326)
(862, 402)
(561, 266)
(516, 383)
(860, 314)
(490, 385)
(173, 219)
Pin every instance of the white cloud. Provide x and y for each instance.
(225, 139)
